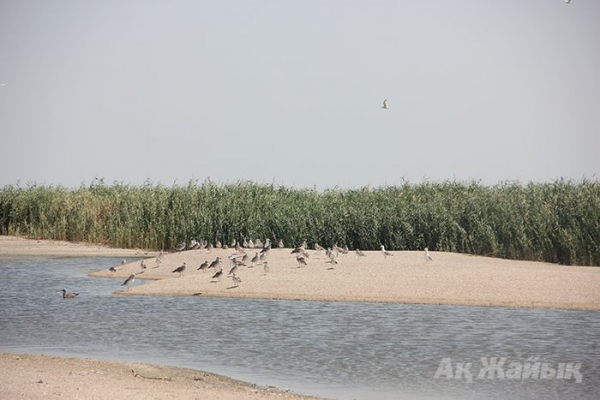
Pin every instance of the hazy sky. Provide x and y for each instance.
(292, 91)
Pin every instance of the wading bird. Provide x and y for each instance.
(129, 280)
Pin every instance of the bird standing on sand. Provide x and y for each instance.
(254, 259)
(129, 280)
(318, 248)
(236, 280)
(359, 254)
(215, 263)
(180, 247)
(180, 269)
(203, 266)
(218, 274)
(266, 267)
(112, 269)
(68, 295)
(385, 104)
(233, 270)
(385, 252)
(301, 261)
(280, 244)
(427, 256)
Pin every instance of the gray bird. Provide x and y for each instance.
(359, 254)
(180, 269)
(254, 259)
(129, 280)
(266, 267)
(68, 295)
(297, 250)
(215, 263)
(180, 247)
(233, 270)
(385, 104)
(203, 266)
(301, 261)
(218, 274)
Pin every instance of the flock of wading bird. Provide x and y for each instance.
(240, 258)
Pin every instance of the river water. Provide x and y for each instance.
(339, 350)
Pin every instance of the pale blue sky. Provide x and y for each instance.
(291, 91)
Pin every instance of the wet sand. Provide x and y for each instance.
(46, 377)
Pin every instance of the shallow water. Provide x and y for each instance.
(341, 350)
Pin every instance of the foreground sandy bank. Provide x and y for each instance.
(11, 245)
(46, 377)
(404, 277)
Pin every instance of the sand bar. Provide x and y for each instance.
(16, 246)
(47, 377)
(405, 277)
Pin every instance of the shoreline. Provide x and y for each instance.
(404, 278)
(13, 246)
(34, 376)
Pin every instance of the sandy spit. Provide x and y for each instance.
(16, 246)
(405, 277)
(46, 377)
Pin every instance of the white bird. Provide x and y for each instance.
(385, 252)
(236, 280)
(567, 1)
(427, 256)
(385, 104)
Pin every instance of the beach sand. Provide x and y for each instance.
(16, 246)
(46, 377)
(405, 277)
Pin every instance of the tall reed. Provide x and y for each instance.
(556, 222)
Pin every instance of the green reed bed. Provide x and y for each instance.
(554, 222)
